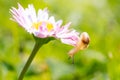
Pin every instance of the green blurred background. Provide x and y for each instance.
(101, 61)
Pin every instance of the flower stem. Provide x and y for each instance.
(38, 44)
(30, 59)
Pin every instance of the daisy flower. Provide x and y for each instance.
(39, 24)
(42, 26)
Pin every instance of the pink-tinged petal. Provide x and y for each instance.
(29, 14)
(42, 28)
(17, 20)
(19, 16)
(20, 8)
(67, 34)
(64, 29)
(41, 32)
(40, 35)
(57, 26)
(14, 11)
(68, 41)
(59, 23)
(67, 26)
(72, 38)
(51, 33)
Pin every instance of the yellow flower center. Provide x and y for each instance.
(36, 25)
(49, 26)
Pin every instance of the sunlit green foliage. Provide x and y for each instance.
(101, 61)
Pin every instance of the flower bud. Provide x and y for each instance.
(81, 44)
(83, 41)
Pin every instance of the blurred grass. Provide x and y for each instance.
(101, 61)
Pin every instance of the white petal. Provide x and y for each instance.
(59, 23)
(32, 13)
(52, 19)
(42, 15)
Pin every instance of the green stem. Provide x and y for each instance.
(30, 59)
(38, 44)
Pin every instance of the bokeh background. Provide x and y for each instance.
(101, 61)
